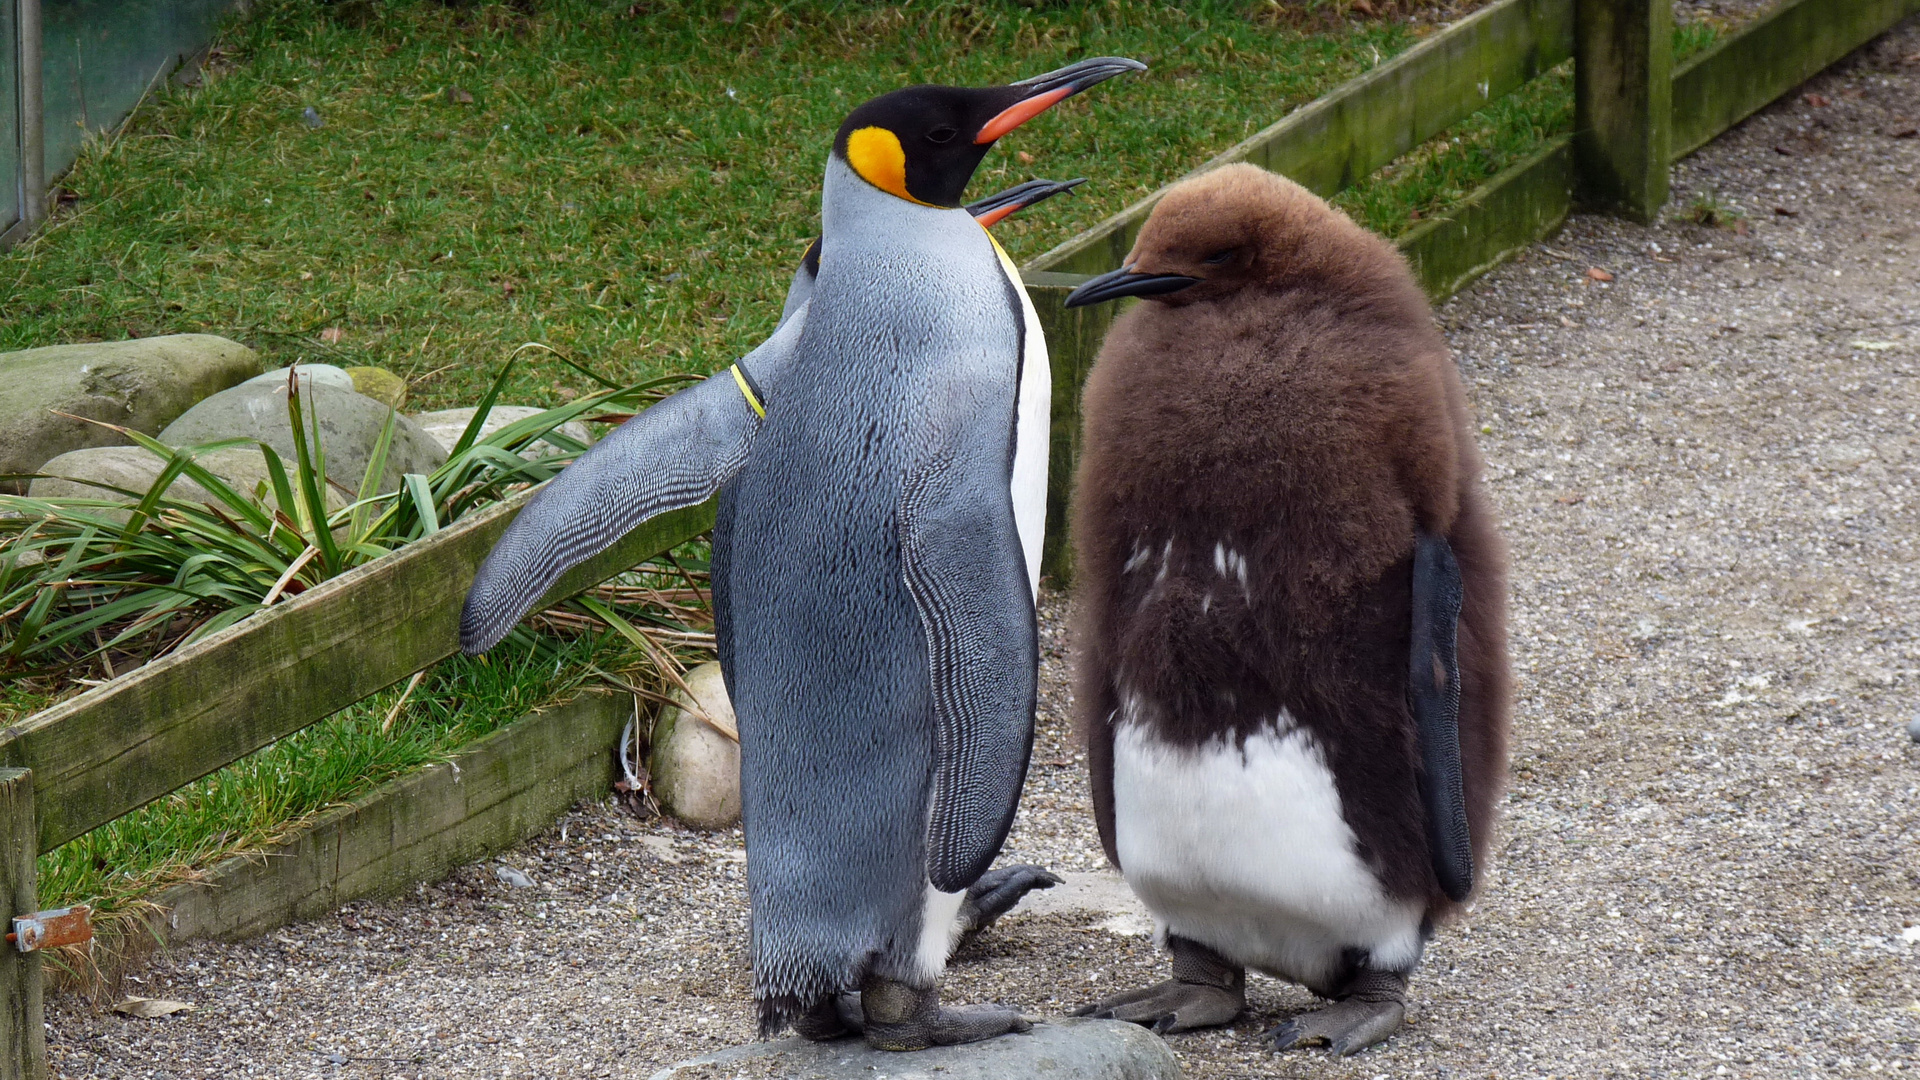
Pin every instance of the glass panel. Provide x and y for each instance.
(99, 56)
(9, 120)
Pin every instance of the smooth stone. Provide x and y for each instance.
(379, 384)
(694, 764)
(1913, 729)
(309, 374)
(135, 469)
(447, 425)
(142, 384)
(1063, 1049)
(1101, 892)
(349, 425)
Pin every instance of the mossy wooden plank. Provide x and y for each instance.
(1623, 112)
(498, 791)
(1334, 141)
(121, 745)
(1073, 340)
(23, 1031)
(1769, 57)
(1523, 204)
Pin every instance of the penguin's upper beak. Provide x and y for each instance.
(994, 208)
(1126, 282)
(1042, 92)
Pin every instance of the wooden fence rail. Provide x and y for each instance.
(119, 746)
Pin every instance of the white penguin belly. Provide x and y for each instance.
(1247, 852)
(1033, 426)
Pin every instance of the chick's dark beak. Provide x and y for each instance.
(1042, 92)
(1126, 282)
(992, 209)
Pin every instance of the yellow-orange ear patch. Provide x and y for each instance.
(875, 153)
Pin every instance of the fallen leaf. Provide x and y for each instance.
(332, 335)
(1025, 158)
(1784, 212)
(1363, 8)
(150, 1008)
(1596, 274)
(1903, 132)
(1783, 151)
(1739, 228)
(1572, 497)
(1818, 101)
(458, 96)
(1566, 322)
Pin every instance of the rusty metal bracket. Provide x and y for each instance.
(48, 929)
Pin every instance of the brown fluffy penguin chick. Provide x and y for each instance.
(1290, 606)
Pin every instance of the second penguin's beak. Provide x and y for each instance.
(1126, 282)
(1042, 92)
(994, 208)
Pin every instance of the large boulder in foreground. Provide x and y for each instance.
(348, 422)
(142, 384)
(95, 473)
(695, 761)
(447, 425)
(1065, 1049)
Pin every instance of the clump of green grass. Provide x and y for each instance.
(1709, 209)
(85, 579)
(631, 183)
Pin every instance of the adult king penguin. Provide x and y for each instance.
(875, 560)
(1291, 606)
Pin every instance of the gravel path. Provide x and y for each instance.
(1710, 863)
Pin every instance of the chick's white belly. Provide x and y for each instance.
(1246, 852)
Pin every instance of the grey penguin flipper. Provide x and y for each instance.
(674, 455)
(1433, 687)
(967, 573)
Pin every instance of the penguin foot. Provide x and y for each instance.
(998, 891)
(900, 1017)
(1206, 990)
(1368, 1015)
(1170, 1006)
(835, 1017)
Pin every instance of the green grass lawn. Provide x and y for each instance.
(629, 183)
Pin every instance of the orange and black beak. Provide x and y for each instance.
(1042, 92)
(1126, 282)
(995, 208)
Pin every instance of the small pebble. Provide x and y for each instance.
(1913, 728)
(312, 116)
(513, 877)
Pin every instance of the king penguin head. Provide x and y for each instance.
(922, 143)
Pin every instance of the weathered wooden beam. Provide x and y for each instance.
(1768, 57)
(1073, 340)
(1623, 104)
(496, 792)
(23, 1031)
(1338, 139)
(1525, 203)
(121, 745)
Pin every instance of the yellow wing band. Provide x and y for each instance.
(746, 391)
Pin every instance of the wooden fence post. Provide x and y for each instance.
(1623, 103)
(23, 1032)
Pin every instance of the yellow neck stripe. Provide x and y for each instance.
(747, 392)
(875, 153)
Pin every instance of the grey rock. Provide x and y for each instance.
(142, 384)
(1913, 729)
(93, 473)
(1101, 892)
(695, 760)
(1067, 1049)
(447, 425)
(513, 877)
(349, 424)
(310, 375)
